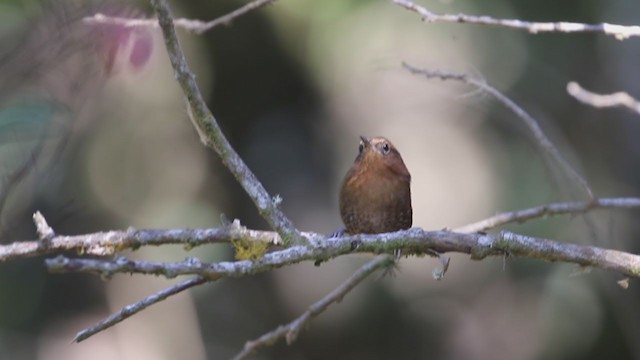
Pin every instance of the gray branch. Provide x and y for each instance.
(211, 134)
(414, 241)
(620, 32)
(133, 309)
(291, 330)
(110, 242)
(195, 26)
(563, 208)
(542, 140)
(618, 99)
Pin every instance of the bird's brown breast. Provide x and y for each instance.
(375, 199)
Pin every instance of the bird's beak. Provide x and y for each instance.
(365, 140)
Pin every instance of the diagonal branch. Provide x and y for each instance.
(620, 32)
(133, 309)
(415, 241)
(212, 135)
(618, 99)
(543, 141)
(195, 26)
(521, 216)
(291, 330)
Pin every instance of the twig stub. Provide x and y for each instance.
(45, 232)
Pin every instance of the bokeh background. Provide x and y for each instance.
(94, 133)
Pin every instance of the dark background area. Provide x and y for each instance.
(107, 143)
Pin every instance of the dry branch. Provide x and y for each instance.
(133, 309)
(291, 330)
(110, 242)
(572, 208)
(195, 26)
(620, 32)
(414, 241)
(542, 140)
(618, 99)
(212, 136)
(320, 248)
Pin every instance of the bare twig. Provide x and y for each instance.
(414, 241)
(45, 232)
(195, 26)
(521, 216)
(618, 99)
(620, 32)
(110, 242)
(212, 135)
(291, 330)
(133, 309)
(542, 139)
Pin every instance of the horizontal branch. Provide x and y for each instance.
(618, 99)
(291, 330)
(195, 26)
(110, 242)
(573, 208)
(414, 241)
(620, 32)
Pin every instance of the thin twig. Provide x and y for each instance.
(414, 241)
(542, 139)
(521, 216)
(620, 32)
(135, 308)
(195, 26)
(291, 330)
(618, 99)
(207, 125)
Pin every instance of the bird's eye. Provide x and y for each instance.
(360, 147)
(385, 148)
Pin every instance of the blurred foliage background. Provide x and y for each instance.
(94, 133)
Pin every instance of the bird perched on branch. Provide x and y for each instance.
(376, 193)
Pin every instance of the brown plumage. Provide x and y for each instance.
(376, 193)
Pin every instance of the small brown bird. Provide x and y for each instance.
(376, 193)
